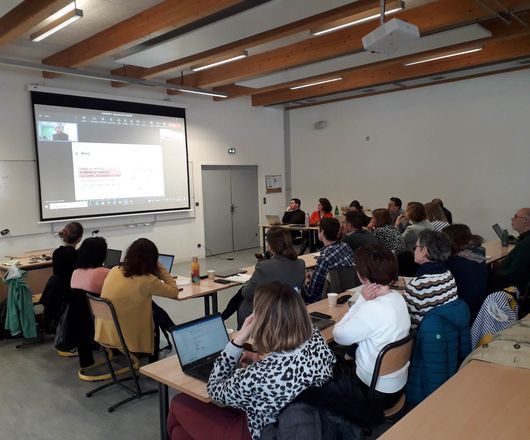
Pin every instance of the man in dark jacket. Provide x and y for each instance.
(293, 215)
(514, 269)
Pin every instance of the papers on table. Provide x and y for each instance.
(241, 278)
(182, 281)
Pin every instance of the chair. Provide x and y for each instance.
(391, 358)
(104, 310)
(339, 280)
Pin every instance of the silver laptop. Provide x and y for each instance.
(198, 343)
(273, 219)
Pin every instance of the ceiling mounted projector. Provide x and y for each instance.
(390, 36)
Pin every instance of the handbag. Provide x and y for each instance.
(63, 335)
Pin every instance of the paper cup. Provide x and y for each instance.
(211, 275)
(332, 299)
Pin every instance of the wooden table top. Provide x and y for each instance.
(495, 251)
(206, 287)
(482, 401)
(28, 263)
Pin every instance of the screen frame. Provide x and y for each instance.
(87, 102)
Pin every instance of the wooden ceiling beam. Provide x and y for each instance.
(429, 18)
(226, 50)
(168, 14)
(25, 16)
(494, 51)
(498, 29)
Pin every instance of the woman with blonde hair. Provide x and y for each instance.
(291, 355)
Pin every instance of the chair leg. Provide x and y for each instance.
(130, 399)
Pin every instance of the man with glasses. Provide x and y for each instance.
(514, 269)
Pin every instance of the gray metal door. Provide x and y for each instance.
(230, 197)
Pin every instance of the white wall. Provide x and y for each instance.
(256, 133)
(466, 142)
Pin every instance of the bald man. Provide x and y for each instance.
(514, 269)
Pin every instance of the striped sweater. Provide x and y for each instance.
(427, 291)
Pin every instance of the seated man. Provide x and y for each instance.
(514, 269)
(334, 255)
(293, 215)
(355, 236)
(394, 208)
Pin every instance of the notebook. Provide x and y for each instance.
(112, 258)
(273, 219)
(198, 343)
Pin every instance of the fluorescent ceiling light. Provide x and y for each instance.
(359, 20)
(315, 83)
(219, 63)
(443, 56)
(197, 92)
(56, 25)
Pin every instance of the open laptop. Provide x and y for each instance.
(273, 219)
(112, 258)
(498, 231)
(198, 343)
(166, 260)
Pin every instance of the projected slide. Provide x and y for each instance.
(129, 171)
(100, 157)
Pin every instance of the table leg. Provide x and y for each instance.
(163, 408)
(215, 307)
(206, 299)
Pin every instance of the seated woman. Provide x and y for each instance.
(378, 317)
(418, 222)
(386, 234)
(323, 210)
(436, 216)
(283, 266)
(356, 206)
(291, 356)
(57, 291)
(468, 265)
(130, 287)
(434, 284)
(88, 277)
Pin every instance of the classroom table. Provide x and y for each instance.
(38, 268)
(482, 401)
(495, 251)
(168, 373)
(312, 232)
(207, 290)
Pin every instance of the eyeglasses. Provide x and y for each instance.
(519, 216)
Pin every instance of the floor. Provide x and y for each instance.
(42, 398)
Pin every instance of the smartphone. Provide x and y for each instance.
(223, 281)
(320, 315)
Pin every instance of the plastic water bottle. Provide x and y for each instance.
(307, 219)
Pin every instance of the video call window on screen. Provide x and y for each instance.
(100, 157)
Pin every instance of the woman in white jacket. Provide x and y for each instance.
(377, 318)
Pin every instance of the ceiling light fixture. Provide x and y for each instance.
(197, 92)
(219, 63)
(443, 56)
(393, 7)
(65, 16)
(315, 83)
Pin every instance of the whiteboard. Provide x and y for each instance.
(19, 198)
(19, 203)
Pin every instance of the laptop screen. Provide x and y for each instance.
(112, 258)
(498, 230)
(166, 261)
(199, 339)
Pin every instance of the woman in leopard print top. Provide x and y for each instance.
(292, 356)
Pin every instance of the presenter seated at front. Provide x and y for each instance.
(378, 317)
(324, 209)
(514, 269)
(291, 356)
(334, 255)
(293, 215)
(130, 288)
